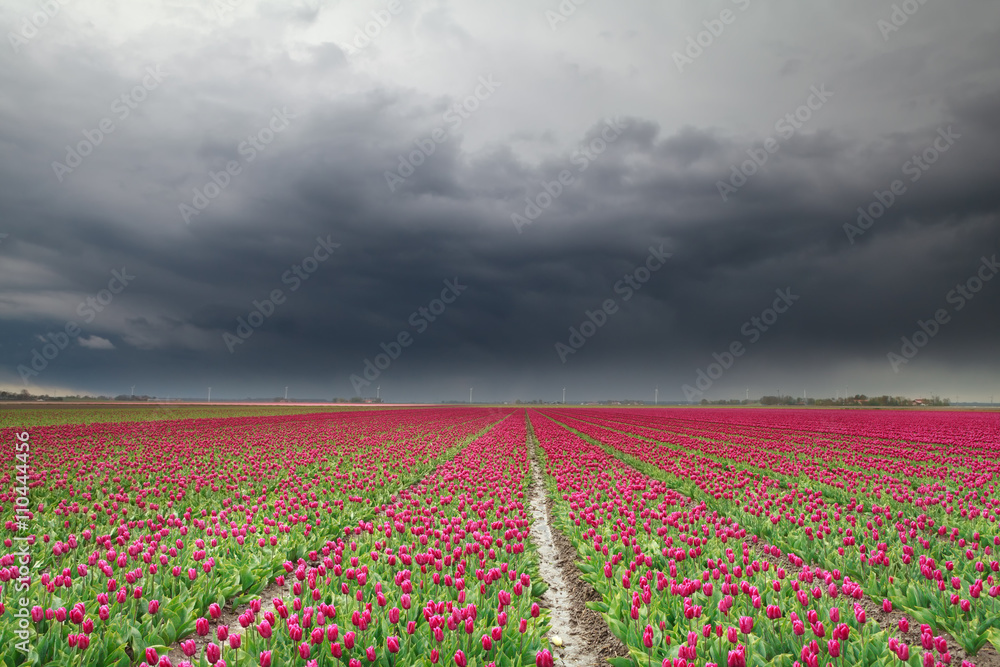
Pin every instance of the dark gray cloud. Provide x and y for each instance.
(276, 126)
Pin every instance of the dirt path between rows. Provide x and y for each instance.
(229, 617)
(586, 639)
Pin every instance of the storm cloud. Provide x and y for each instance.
(249, 195)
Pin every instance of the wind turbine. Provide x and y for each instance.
(470, 395)
(564, 395)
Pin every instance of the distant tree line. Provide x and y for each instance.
(857, 399)
(25, 395)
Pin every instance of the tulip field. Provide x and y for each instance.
(702, 537)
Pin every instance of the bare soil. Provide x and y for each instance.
(586, 637)
(229, 617)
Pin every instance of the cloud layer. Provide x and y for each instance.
(164, 169)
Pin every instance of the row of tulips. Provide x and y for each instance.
(948, 584)
(938, 488)
(927, 527)
(139, 528)
(682, 584)
(444, 574)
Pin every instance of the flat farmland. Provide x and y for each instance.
(505, 536)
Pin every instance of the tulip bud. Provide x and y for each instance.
(544, 659)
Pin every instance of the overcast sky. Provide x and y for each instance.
(518, 160)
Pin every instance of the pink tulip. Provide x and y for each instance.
(542, 659)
